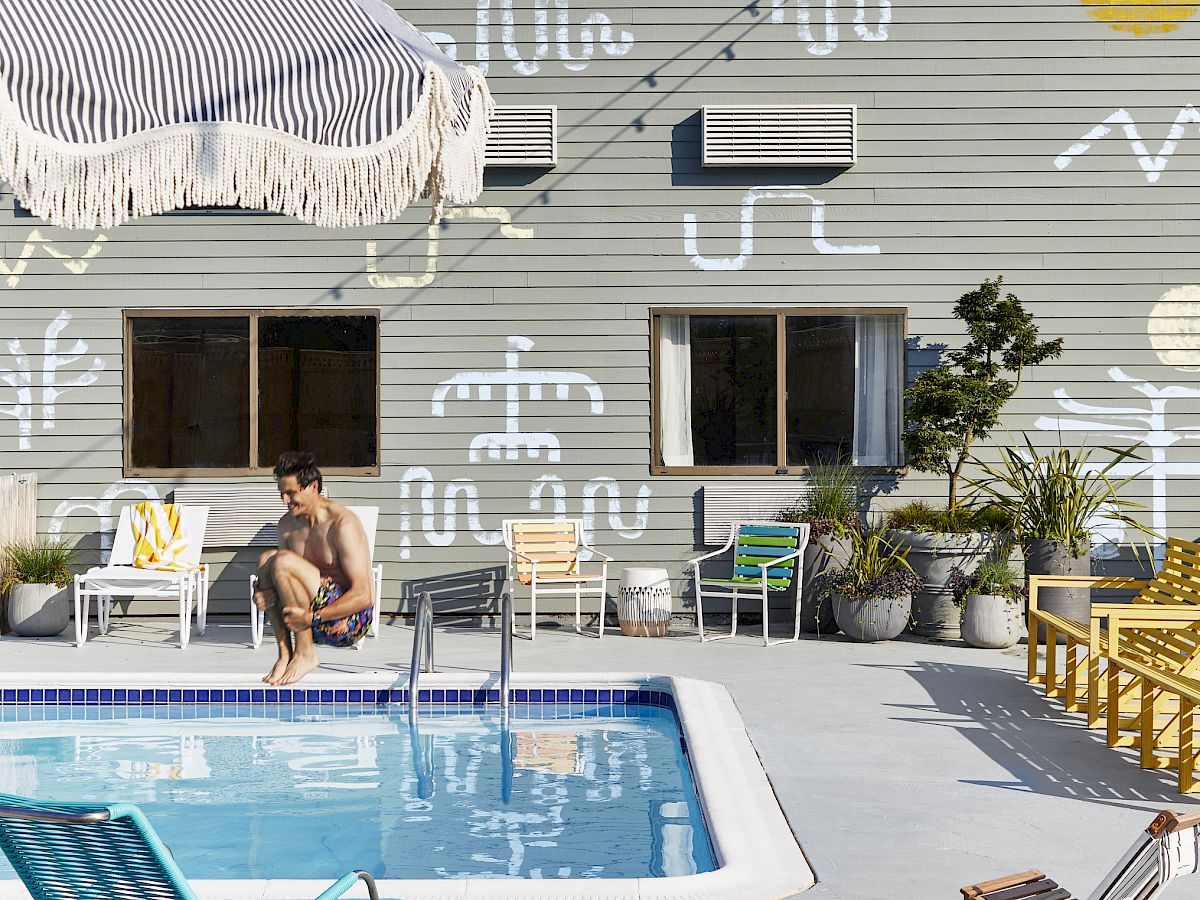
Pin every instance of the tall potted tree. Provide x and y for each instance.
(1054, 500)
(951, 406)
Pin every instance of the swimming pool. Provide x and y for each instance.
(587, 791)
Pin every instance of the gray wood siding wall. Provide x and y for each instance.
(964, 109)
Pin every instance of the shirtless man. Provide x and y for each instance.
(316, 588)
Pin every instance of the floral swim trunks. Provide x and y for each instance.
(338, 632)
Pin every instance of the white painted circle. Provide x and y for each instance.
(1174, 328)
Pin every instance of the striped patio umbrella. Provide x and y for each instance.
(337, 112)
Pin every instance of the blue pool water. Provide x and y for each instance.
(310, 791)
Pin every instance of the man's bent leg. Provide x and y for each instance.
(296, 581)
(287, 575)
(283, 637)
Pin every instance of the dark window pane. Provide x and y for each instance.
(191, 392)
(733, 390)
(317, 388)
(820, 389)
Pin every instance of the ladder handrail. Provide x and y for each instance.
(507, 627)
(422, 651)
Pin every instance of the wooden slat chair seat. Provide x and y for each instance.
(1031, 885)
(1170, 595)
(548, 552)
(765, 558)
(1163, 851)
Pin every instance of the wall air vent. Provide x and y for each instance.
(779, 135)
(523, 136)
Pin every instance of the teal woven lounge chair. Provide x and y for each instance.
(764, 561)
(89, 851)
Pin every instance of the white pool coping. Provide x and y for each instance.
(755, 851)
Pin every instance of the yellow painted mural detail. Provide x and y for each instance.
(1141, 17)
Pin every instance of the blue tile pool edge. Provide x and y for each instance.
(166, 696)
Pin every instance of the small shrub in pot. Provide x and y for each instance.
(992, 599)
(36, 576)
(872, 596)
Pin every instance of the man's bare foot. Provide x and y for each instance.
(277, 671)
(300, 666)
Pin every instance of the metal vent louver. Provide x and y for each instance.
(779, 135)
(523, 136)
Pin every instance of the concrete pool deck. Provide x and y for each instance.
(905, 769)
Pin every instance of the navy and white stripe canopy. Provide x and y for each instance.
(338, 112)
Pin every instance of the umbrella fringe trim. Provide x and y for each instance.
(235, 164)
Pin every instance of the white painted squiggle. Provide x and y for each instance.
(595, 22)
(691, 244)
(20, 378)
(432, 237)
(557, 489)
(1153, 166)
(446, 536)
(616, 523)
(804, 25)
(102, 507)
(74, 265)
(860, 20)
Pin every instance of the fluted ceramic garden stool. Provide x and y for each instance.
(644, 602)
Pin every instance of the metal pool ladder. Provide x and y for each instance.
(507, 626)
(422, 652)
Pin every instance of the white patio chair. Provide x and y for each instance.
(369, 516)
(1167, 849)
(121, 578)
(764, 561)
(543, 554)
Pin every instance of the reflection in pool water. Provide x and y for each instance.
(263, 791)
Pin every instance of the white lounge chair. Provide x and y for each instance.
(369, 516)
(121, 578)
(543, 554)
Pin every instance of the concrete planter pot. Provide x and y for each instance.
(39, 610)
(991, 621)
(1054, 558)
(932, 556)
(822, 557)
(872, 619)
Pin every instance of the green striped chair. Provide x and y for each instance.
(764, 561)
(89, 851)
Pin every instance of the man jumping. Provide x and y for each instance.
(316, 588)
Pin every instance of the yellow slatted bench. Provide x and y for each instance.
(1176, 586)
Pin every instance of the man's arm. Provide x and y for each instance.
(349, 543)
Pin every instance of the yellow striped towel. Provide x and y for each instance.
(159, 535)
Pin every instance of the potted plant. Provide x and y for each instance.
(872, 596)
(992, 602)
(36, 579)
(1054, 500)
(950, 407)
(831, 511)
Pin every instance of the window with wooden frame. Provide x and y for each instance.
(770, 391)
(224, 392)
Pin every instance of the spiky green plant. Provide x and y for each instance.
(37, 562)
(831, 506)
(878, 567)
(1057, 495)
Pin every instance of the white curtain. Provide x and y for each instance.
(878, 381)
(675, 390)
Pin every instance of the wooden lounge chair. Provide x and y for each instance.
(544, 555)
(1168, 599)
(764, 562)
(122, 578)
(85, 851)
(1166, 850)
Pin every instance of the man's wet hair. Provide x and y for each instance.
(301, 464)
